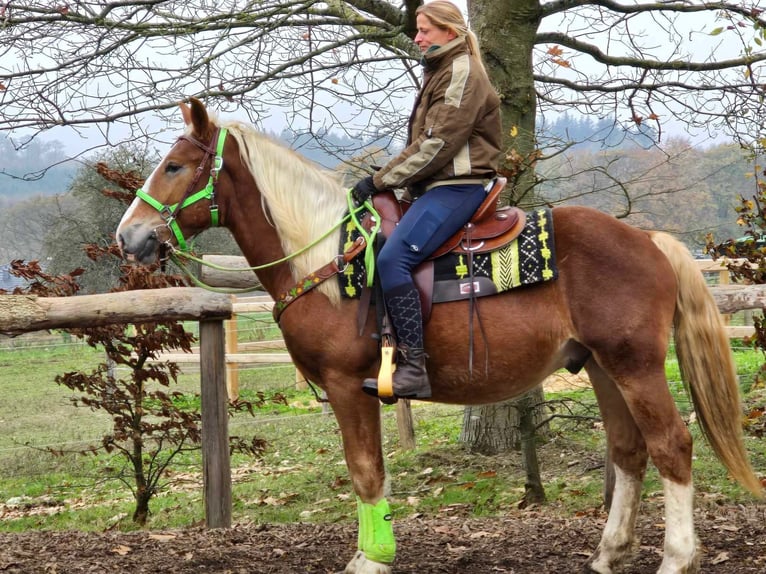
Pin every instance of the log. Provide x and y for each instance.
(234, 279)
(23, 313)
(732, 298)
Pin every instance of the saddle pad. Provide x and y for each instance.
(528, 259)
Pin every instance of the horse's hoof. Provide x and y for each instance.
(596, 565)
(356, 563)
(360, 565)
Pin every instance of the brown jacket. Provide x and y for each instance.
(455, 130)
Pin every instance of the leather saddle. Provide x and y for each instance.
(488, 229)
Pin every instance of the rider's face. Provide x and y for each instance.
(430, 34)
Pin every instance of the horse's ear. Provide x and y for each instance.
(195, 115)
(186, 113)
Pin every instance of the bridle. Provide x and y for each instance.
(169, 213)
(338, 264)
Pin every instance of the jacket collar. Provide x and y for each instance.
(435, 54)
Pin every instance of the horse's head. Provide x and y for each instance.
(178, 199)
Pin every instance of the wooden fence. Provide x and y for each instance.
(26, 313)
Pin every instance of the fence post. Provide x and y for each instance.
(405, 425)
(232, 369)
(216, 463)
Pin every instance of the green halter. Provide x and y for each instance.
(169, 213)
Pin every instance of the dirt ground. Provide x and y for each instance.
(532, 541)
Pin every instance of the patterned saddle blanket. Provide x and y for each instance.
(527, 260)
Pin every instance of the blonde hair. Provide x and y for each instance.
(445, 15)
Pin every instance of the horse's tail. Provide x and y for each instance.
(706, 363)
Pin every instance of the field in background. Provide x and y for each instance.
(302, 476)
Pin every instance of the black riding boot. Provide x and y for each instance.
(410, 379)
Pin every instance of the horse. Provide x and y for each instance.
(620, 292)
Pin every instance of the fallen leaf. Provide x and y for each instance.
(122, 550)
(721, 557)
(162, 537)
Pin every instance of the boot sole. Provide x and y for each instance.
(373, 392)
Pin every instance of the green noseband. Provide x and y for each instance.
(169, 213)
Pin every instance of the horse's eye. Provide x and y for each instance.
(171, 168)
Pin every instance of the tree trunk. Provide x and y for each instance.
(141, 513)
(529, 409)
(491, 429)
(506, 32)
(496, 428)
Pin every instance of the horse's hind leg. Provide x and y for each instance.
(647, 402)
(627, 451)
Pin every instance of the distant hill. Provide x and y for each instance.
(38, 169)
(587, 133)
(34, 170)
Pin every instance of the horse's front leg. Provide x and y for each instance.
(358, 417)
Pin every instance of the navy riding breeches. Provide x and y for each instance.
(430, 221)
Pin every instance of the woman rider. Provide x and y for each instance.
(451, 155)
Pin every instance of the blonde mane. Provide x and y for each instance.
(302, 200)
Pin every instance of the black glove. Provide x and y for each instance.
(363, 190)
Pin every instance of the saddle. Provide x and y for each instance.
(488, 229)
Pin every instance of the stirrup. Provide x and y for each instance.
(383, 386)
(385, 381)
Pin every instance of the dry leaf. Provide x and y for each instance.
(722, 557)
(555, 51)
(122, 550)
(162, 537)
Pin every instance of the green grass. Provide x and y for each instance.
(302, 476)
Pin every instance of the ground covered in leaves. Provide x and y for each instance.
(537, 541)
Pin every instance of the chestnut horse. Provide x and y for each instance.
(619, 292)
